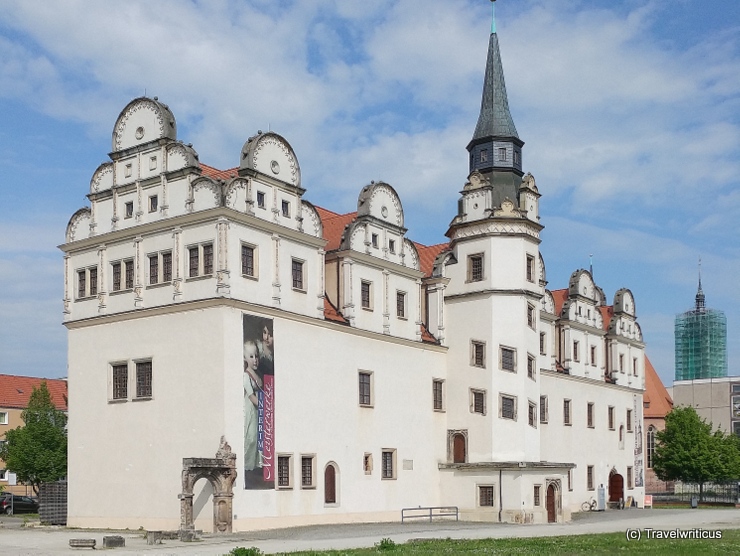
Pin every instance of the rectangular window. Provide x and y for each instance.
(484, 155)
(537, 499)
(81, 283)
(260, 200)
(120, 382)
(3, 472)
(485, 496)
(478, 401)
(153, 202)
(366, 388)
(543, 409)
(543, 343)
(374, 240)
(3, 417)
(570, 479)
(389, 464)
(116, 276)
(153, 269)
(621, 363)
(208, 258)
(367, 463)
(530, 268)
(143, 379)
(629, 420)
(167, 267)
(475, 268)
(508, 359)
(576, 356)
(286, 209)
(629, 478)
(532, 414)
(392, 246)
(593, 355)
(531, 365)
(365, 294)
(194, 261)
(438, 394)
(308, 479)
(247, 260)
(502, 153)
(610, 415)
(590, 415)
(283, 471)
(507, 407)
(477, 354)
(590, 477)
(566, 412)
(297, 274)
(129, 209)
(93, 281)
(128, 267)
(634, 366)
(531, 319)
(401, 305)
(517, 158)
(153, 163)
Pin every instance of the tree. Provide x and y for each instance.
(37, 452)
(687, 450)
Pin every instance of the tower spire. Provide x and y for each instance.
(493, 16)
(700, 301)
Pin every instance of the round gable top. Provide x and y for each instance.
(271, 155)
(142, 121)
(381, 201)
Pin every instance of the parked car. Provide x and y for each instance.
(10, 504)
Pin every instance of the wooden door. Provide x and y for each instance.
(330, 485)
(552, 515)
(616, 487)
(458, 448)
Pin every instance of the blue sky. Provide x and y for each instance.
(630, 111)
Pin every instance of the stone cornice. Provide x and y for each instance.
(481, 293)
(590, 381)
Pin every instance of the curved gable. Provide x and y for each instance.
(380, 201)
(142, 121)
(271, 155)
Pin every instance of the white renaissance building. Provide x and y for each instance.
(337, 370)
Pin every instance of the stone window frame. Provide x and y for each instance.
(243, 259)
(308, 480)
(476, 267)
(389, 464)
(514, 406)
(284, 471)
(366, 389)
(590, 415)
(486, 496)
(478, 401)
(438, 394)
(478, 354)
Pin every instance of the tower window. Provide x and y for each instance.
(484, 155)
(517, 158)
(475, 268)
(502, 153)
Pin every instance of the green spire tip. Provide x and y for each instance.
(493, 16)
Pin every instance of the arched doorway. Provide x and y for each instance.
(616, 487)
(459, 450)
(551, 504)
(220, 472)
(330, 484)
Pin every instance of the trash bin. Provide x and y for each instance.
(694, 502)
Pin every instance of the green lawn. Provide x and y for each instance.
(610, 543)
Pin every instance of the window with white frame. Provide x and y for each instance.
(122, 275)
(366, 294)
(531, 367)
(507, 407)
(531, 319)
(593, 356)
(119, 381)
(365, 383)
(576, 355)
(286, 209)
(532, 414)
(590, 477)
(537, 495)
(200, 260)
(392, 246)
(388, 463)
(260, 199)
(284, 471)
(629, 420)
(610, 417)
(438, 394)
(308, 471)
(590, 415)
(543, 343)
(507, 358)
(530, 268)
(629, 478)
(543, 409)
(144, 379)
(477, 353)
(401, 304)
(3, 417)
(621, 363)
(475, 267)
(87, 282)
(153, 203)
(566, 412)
(298, 275)
(128, 209)
(374, 240)
(154, 268)
(634, 366)
(478, 401)
(166, 266)
(249, 260)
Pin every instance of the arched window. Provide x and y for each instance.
(330, 484)
(459, 450)
(650, 445)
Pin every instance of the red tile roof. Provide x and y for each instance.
(559, 296)
(427, 255)
(656, 396)
(217, 174)
(331, 312)
(427, 336)
(334, 225)
(607, 313)
(16, 390)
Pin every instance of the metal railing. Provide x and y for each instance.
(430, 512)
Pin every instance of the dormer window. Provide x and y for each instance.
(502, 153)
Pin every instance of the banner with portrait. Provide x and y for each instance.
(258, 380)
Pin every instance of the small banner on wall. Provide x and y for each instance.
(258, 380)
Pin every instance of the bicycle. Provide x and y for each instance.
(589, 506)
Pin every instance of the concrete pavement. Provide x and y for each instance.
(42, 541)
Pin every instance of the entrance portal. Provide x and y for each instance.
(221, 473)
(616, 487)
(552, 515)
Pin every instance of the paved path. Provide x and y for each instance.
(43, 541)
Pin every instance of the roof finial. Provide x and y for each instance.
(591, 264)
(493, 16)
(700, 299)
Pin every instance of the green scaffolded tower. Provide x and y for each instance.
(701, 342)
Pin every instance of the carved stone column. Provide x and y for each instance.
(386, 308)
(102, 278)
(276, 270)
(322, 284)
(348, 308)
(223, 286)
(67, 301)
(177, 264)
(138, 273)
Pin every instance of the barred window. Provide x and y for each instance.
(508, 359)
(437, 387)
(508, 407)
(144, 379)
(260, 200)
(116, 276)
(365, 294)
(94, 281)
(208, 258)
(479, 354)
(475, 268)
(401, 305)
(247, 260)
(154, 269)
(167, 267)
(129, 271)
(297, 270)
(479, 402)
(194, 261)
(485, 496)
(365, 388)
(566, 412)
(388, 468)
(81, 283)
(283, 471)
(120, 382)
(537, 500)
(307, 477)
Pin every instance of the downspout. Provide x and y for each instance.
(500, 495)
